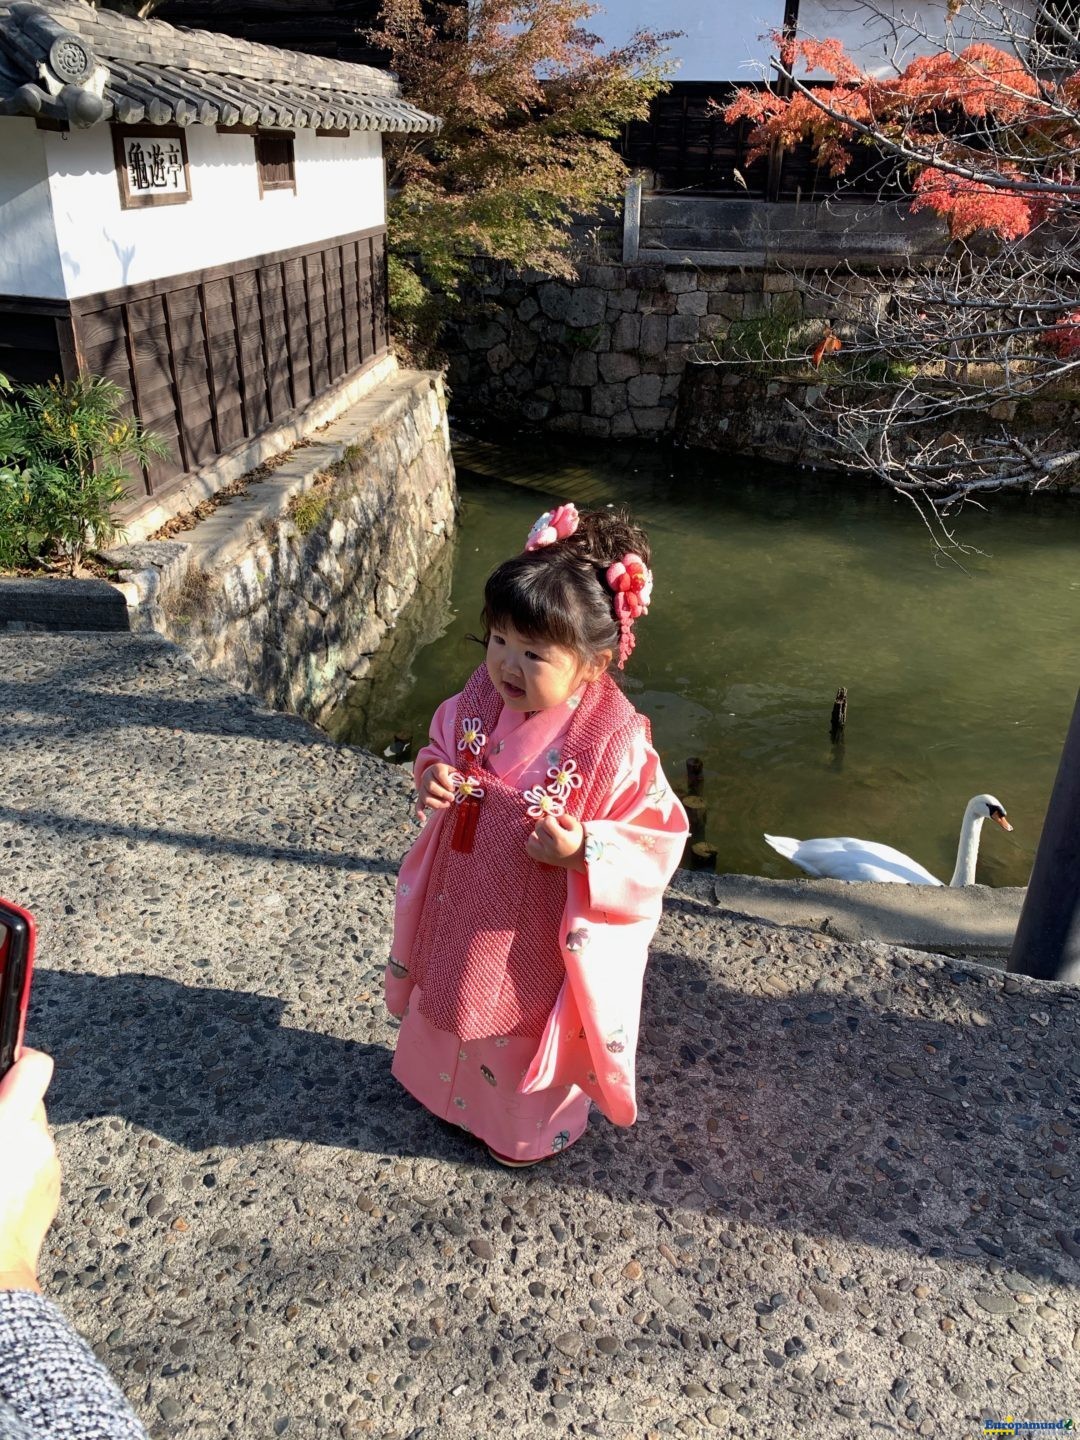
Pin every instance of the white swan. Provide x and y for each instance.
(840, 858)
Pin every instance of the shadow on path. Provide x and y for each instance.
(82, 828)
(816, 1113)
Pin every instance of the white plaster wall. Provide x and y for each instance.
(883, 34)
(339, 188)
(722, 39)
(728, 39)
(29, 259)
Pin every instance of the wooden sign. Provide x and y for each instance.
(151, 165)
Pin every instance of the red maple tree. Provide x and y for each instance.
(986, 133)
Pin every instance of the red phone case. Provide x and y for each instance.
(14, 986)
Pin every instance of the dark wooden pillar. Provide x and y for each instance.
(774, 177)
(1047, 943)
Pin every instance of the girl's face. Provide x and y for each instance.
(533, 674)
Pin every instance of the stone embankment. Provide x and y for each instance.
(289, 586)
(608, 354)
(849, 1207)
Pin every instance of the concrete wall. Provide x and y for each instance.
(339, 189)
(29, 258)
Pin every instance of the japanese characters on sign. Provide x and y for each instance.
(152, 168)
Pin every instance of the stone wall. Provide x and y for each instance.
(605, 355)
(787, 420)
(295, 605)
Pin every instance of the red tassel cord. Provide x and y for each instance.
(466, 818)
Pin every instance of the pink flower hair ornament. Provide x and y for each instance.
(631, 582)
(553, 525)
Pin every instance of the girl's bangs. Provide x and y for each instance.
(526, 600)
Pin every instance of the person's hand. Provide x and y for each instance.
(558, 840)
(30, 1173)
(435, 790)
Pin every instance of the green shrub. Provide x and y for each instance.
(63, 448)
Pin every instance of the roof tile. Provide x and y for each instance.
(163, 66)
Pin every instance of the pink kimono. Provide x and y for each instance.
(528, 1095)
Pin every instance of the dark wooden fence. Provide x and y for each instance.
(213, 357)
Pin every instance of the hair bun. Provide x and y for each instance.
(605, 536)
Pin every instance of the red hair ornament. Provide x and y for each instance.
(631, 581)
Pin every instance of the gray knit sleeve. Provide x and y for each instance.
(51, 1383)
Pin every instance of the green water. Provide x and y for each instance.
(774, 587)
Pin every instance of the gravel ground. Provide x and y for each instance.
(848, 1207)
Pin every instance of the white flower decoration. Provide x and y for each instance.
(465, 787)
(472, 736)
(539, 528)
(541, 803)
(564, 777)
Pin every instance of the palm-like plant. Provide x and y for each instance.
(65, 452)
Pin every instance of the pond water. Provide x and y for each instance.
(773, 588)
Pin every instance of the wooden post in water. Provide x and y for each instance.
(698, 854)
(1047, 943)
(839, 716)
(696, 813)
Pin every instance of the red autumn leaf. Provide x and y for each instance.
(827, 345)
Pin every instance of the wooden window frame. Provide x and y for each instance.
(276, 186)
(130, 201)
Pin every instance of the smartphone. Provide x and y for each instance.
(16, 965)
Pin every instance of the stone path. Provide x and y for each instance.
(849, 1207)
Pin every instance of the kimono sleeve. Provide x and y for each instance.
(416, 867)
(634, 847)
(611, 914)
(441, 743)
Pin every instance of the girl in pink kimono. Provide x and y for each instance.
(525, 910)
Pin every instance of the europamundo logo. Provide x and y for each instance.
(1009, 1426)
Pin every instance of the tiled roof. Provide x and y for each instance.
(64, 60)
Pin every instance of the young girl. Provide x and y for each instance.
(525, 911)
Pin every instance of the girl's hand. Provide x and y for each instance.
(435, 790)
(558, 840)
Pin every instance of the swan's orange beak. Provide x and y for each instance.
(1000, 820)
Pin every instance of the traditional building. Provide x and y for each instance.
(688, 146)
(199, 218)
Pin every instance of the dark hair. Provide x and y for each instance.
(559, 593)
